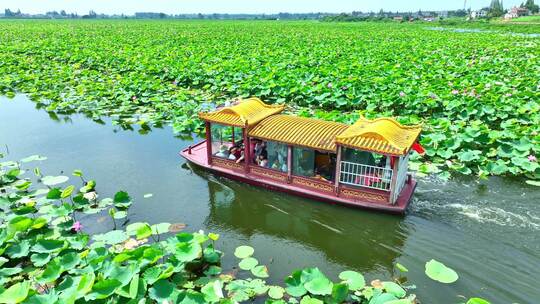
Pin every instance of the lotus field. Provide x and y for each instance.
(475, 92)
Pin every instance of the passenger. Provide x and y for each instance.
(260, 146)
(223, 151)
(241, 158)
(233, 153)
(262, 160)
(319, 176)
(276, 165)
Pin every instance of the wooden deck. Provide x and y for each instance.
(301, 186)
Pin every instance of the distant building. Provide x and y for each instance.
(483, 13)
(429, 18)
(398, 18)
(516, 12)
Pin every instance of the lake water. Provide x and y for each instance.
(488, 231)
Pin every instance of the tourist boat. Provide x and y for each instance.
(361, 165)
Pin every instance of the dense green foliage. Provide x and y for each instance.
(476, 93)
(46, 257)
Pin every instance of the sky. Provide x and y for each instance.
(239, 6)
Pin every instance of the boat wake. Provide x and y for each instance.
(328, 227)
(480, 213)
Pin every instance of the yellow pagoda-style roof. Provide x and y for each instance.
(381, 135)
(299, 131)
(246, 112)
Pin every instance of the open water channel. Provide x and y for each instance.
(488, 231)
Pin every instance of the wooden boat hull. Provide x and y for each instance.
(312, 189)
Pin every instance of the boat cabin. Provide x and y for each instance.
(364, 164)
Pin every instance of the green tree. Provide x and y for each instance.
(496, 8)
(529, 4)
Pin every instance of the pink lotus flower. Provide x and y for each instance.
(329, 85)
(77, 226)
(433, 96)
(531, 158)
(508, 94)
(133, 97)
(175, 82)
(402, 94)
(344, 88)
(455, 92)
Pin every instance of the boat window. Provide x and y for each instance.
(360, 157)
(314, 164)
(365, 169)
(303, 162)
(227, 142)
(270, 154)
(277, 156)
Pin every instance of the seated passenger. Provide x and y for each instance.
(276, 165)
(223, 151)
(262, 160)
(241, 158)
(319, 176)
(233, 152)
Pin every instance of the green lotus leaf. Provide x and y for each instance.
(16, 293)
(140, 230)
(439, 272)
(20, 224)
(243, 252)
(276, 292)
(477, 301)
(161, 290)
(160, 228)
(188, 251)
(40, 259)
(48, 246)
(52, 272)
(260, 271)
(54, 180)
(394, 289)
(213, 291)
(122, 199)
(340, 292)
(103, 289)
(310, 300)
(533, 183)
(294, 284)
(382, 298)
(353, 279)
(319, 286)
(18, 250)
(248, 263)
(33, 158)
(112, 237)
(67, 191)
(401, 268)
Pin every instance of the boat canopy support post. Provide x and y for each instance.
(289, 164)
(208, 142)
(393, 184)
(247, 149)
(338, 170)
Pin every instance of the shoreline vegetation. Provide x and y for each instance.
(474, 92)
(46, 256)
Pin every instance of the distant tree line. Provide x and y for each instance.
(157, 15)
(531, 6)
(496, 9)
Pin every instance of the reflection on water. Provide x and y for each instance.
(344, 235)
(488, 231)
